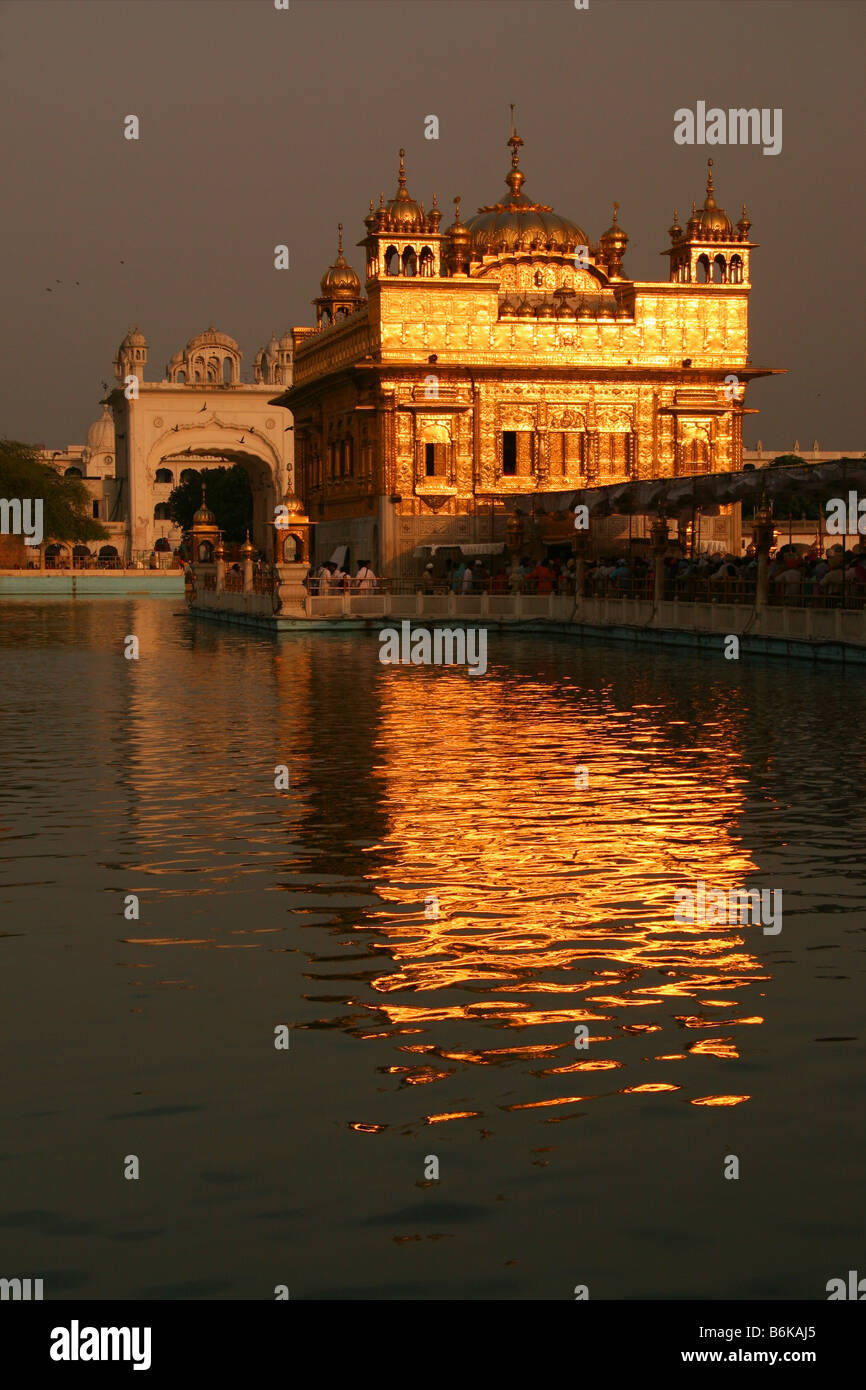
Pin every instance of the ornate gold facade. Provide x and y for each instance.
(504, 355)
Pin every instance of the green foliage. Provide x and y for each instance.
(66, 503)
(229, 497)
(787, 461)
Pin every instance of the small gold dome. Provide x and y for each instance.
(711, 219)
(615, 236)
(248, 550)
(404, 214)
(293, 504)
(340, 280)
(545, 310)
(204, 516)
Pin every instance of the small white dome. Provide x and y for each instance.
(100, 436)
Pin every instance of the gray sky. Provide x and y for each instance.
(261, 126)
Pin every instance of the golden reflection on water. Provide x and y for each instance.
(555, 903)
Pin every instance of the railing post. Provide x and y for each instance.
(248, 575)
(763, 535)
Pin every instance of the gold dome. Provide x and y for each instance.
(204, 516)
(404, 214)
(293, 504)
(711, 218)
(517, 224)
(248, 550)
(340, 280)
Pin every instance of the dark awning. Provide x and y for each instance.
(706, 491)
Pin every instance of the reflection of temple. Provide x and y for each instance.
(506, 354)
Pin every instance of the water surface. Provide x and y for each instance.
(415, 1038)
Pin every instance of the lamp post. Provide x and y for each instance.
(763, 536)
(514, 534)
(659, 538)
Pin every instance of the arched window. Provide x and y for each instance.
(73, 473)
(392, 261)
(199, 369)
(410, 261)
(425, 263)
(703, 269)
(720, 270)
(188, 475)
(164, 475)
(213, 370)
(181, 377)
(161, 512)
(205, 552)
(227, 371)
(736, 270)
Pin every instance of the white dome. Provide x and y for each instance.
(100, 436)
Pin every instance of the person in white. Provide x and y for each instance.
(365, 579)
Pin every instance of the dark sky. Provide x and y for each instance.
(261, 126)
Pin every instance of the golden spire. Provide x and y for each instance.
(516, 178)
(457, 211)
(710, 202)
(401, 182)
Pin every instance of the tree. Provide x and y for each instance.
(66, 503)
(787, 461)
(229, 497)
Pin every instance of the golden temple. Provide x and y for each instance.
(507, 354)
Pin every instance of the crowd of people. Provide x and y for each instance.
(795, 576)
(331, 578)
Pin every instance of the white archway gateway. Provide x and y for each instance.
(163, 428)
(216, 443)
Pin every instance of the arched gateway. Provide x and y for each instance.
(198, 419)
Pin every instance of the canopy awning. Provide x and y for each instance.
(706, 491)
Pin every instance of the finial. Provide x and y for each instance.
(615, 211)
(381, 199)
(402, 178)
(371, 206)
(710, 199)
(435, 204)
(457, 211)
(202, 493)
(339, 238)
